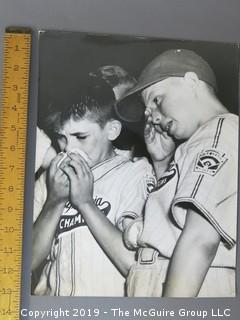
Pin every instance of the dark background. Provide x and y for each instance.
(211, 20)
(67, 57)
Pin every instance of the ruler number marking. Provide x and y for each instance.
(13, 125)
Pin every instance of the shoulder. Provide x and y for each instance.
(220, 123)
(223, 121)
(134, 163)
(143, 174)
(141, 165)
(137, 170)
(218, 131)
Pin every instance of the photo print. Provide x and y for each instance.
(136, 167)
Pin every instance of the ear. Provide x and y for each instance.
(191, 79)
(114, 129)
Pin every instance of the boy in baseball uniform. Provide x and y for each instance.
(90, 193)
(187, 243)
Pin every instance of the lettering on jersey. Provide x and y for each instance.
(150, 184)
(103, 205)
(68, 222)
(167, 176)
(210, 161)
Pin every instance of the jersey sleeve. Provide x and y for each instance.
(208, 182)
(40, 195)
(139, 184)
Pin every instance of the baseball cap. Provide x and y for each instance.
(171, 63)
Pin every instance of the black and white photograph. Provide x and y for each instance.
(136, 167)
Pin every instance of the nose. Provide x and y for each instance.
(69, 145)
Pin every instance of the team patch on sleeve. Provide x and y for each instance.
(210, 161)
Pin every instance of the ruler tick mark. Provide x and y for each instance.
(16, 52)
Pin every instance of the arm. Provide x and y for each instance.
(106, 234)
(108, 237)
(159, 144)
(44, 231)
(45, 226)
(192, 257)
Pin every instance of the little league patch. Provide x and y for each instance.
(210, 161)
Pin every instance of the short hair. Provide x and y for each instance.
(95, 103)
(95, 100)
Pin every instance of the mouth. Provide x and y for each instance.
(167, 129)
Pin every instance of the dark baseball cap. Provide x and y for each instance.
(171, 63)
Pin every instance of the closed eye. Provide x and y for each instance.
(80, 137)
(157, 101)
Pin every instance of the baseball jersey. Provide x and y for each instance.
(203, 174)
(76, 265)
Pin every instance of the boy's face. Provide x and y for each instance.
(86, 136)
(172, 105)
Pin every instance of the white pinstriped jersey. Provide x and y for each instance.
(77, 266)
(203, 174)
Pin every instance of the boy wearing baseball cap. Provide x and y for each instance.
(83, 203)
(187, 244)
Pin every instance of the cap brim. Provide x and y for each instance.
(130, 107)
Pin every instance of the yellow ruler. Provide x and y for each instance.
(13, 129)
